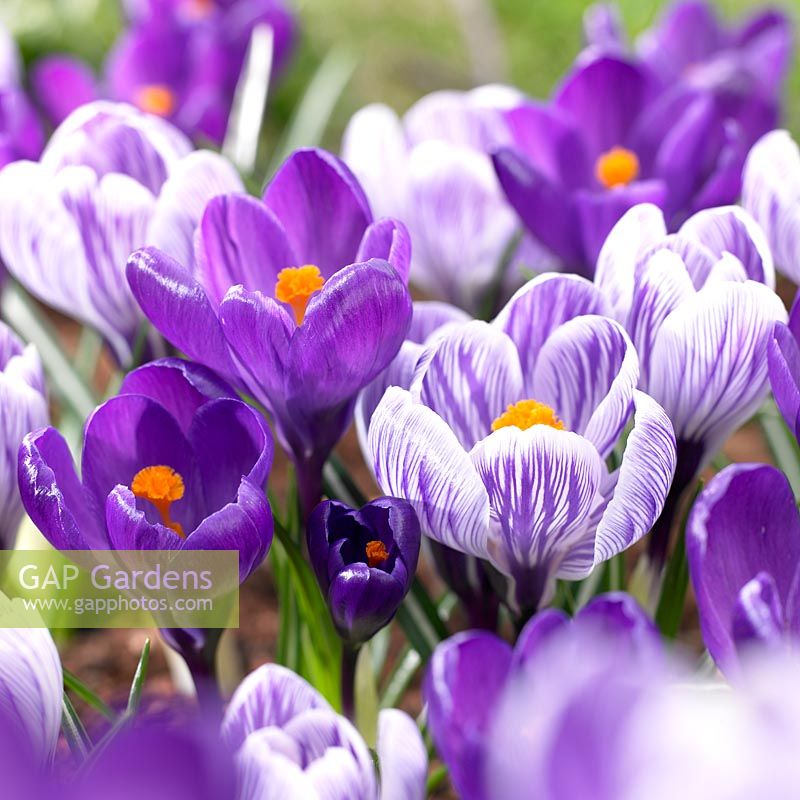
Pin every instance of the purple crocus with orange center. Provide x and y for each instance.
(364, 560)
(300, 300)
(177, 59)
(110, 180)
(500, 442)
(173, 462)
(614, 137)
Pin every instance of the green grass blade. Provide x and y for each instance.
(76, 685)
(139, 677)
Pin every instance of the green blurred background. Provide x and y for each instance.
(401, 50)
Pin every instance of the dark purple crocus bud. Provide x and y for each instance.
(364, 560)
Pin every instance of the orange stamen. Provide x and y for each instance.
(376, 553)
(162, 486)
(617, 167)
(527, 413)
(155, 98)
(296, 285)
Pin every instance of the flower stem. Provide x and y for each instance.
(349, 659)
(201, 660)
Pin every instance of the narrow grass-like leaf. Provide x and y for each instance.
(74, 732)
(781, 442)
(139, 677)
(76, 685)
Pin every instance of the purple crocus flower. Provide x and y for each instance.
(174, 461)
(470, 674)
(500, 443)
(614, 137)
(181, 59)
(23, 408)
(432, 170)
(301, 299)
(61, 83)
(291, 744)
(364, 560)
(743, 546)
(111, 179)
(697, 308)
(771, 193)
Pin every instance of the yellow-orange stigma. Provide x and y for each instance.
(155, 98)
(162, 486)
(527, 413)
(376, 553)
(618, 167)
(296, 285)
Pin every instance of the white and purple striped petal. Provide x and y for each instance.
(402, 756)
(587, 371)
(708, 366)
(417, 457)
(468, 376)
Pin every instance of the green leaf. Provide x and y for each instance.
(75, 684)
(339, 485)
(24, 316)
(135, 696)
(366, 695)
(74, 732)
(313, 112)
(420, 620)
(669, 611)
(436, 779)
(781, 442)
(406, 666)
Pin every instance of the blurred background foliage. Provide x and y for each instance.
(398, 51)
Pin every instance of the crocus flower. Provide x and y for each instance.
(771, 193)
(470, 674)
(500, 443)
(697, 308)
(432, 170)
(23, 408)
(31, 690)
(364, 560)
(783, 357)
(61, 83)
(301, 299)
(111, 179)
(743, 546)
(291, 744)
(612, 138)
(181, 59)
(174, 461)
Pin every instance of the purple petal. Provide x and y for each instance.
(638, 230)
(539, 308)
(402, 757)
(643, 481)
(757, 616)
(128, 433)
(599, 212)
(618, 617)
(314, 186)
(231, 441)
(269, 696)
(245, 524)
(330, 358)
(129, 529)
(546, 209)
(465, 680)
(469, 376)
(708, 365)
(542, 485)
(732, 230)
(61, 84)
(429, 316)
(587, 371)
(537, 631)
(697, 259)
(417, 457)
(53, 496)
(605, 97)
(745, 522)
(177, 305)
(240, 241)
(179, 385)
(192, 183)
(783, 357)
(388, 240)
